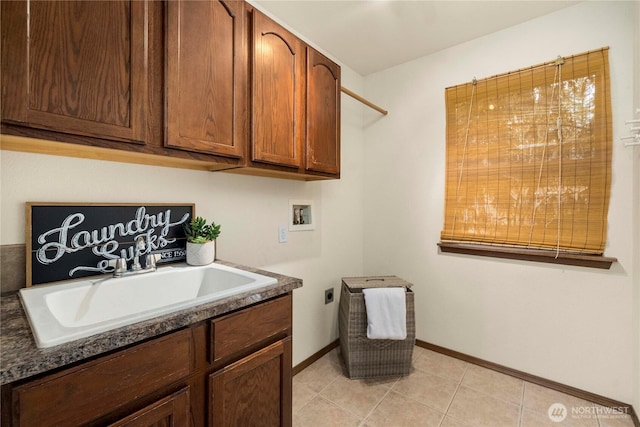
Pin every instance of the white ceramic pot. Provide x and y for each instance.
(201, 253)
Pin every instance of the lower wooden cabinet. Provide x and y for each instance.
(173, 380)
(254, 391)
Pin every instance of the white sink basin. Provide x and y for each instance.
(65, 312)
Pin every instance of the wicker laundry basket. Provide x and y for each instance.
(370, 358)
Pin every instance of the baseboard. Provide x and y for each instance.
(576, 392)
(314, 357)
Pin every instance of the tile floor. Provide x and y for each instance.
(440, 391)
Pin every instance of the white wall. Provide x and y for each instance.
(568, 324)
(249, 209)
(636, 210)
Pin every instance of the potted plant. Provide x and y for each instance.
(201, 241)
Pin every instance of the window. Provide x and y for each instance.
(529, 161)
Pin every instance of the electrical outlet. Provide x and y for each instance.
(328, 296)
(282, 233)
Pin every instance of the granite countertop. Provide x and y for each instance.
(20, 358)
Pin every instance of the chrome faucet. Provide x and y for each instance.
(120, 264)
(140, 246)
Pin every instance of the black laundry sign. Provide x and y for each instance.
(66, 241)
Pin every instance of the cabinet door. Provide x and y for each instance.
(323, 114)
(206, 80)
(78, 67)
(171, 411)
(277, 125)
(255, 391)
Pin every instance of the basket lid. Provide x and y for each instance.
(375, 282)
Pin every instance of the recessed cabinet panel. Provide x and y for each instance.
(171, 411)
(323, 114)
(278, 94)
(206, 77)
(78, 67)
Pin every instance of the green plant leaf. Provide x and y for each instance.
(198, 231)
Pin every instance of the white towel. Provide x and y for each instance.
(386, 313)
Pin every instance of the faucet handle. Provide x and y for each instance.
(140, 243)
(152, 260)
(120, 265)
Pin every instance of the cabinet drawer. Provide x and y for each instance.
(232, 333)
(81, 394)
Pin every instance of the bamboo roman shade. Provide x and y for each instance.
(529, 157)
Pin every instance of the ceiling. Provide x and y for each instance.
(372, 35)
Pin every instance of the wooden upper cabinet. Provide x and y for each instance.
(205, 84)
(78, 67)
(206, 77)
(277, 125)
(323, 114)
